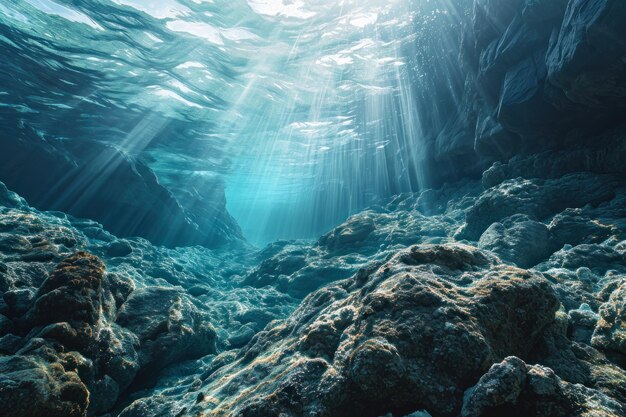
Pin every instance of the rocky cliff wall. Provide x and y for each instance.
(539, 75)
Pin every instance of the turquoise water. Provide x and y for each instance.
(306, 110)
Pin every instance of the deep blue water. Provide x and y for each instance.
(307, 110)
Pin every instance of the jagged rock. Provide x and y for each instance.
(586, 60)
(18, 301)
(596, 258)
(409, 334)
(491, 17)
(573, 227)
(71, 293)
(169, 327)
(492, 140)
(350, 234)
(537, 12)
(511, 240)
(610, 333)
(94, 180)
(536, 198)
(582, 323)
(514, 388)
(32, 388)
(604, 156)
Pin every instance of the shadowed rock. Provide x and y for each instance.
(512, 388)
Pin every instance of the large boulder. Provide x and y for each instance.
(511, 239)
(168, 326)
(513, 388)
(411, 333)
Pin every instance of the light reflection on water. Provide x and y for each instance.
(308, 109)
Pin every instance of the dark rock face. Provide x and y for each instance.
(99, 182)
(586, 58)
(72, 360)
(539, 75)
(513, 388)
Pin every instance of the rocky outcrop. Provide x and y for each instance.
(536, 198)
(513, 388)
(410, 333)
(610, 333)
(92, 180)
(89, 321)
(539, 75)
(88, 337)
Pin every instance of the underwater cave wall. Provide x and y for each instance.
(540, 75)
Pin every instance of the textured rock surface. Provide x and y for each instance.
(503, 297)
(513, 388)
(538, 76)
(360, 322)
(99, 182)
(410, 333)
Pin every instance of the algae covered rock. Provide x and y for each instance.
(169, 327)
(610, 333)
(513, 388)
(71, 293)
(535, 198)
(411, 333)
(33, 387)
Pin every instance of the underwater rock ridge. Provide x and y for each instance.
(358, 323)
(92, 180)
(86, 349)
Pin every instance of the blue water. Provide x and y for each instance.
(307, 110)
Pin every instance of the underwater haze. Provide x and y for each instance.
(312, 208)
(306, 111)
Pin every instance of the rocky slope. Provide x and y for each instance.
(95, 180)
(504, 297)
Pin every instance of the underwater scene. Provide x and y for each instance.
(320, 208)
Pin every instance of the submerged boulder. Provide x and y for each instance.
(513, 388)
(168, 326)
(610, 333)
(519, 240)
(73, 292)
(411, 333)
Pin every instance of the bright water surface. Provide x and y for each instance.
(308, 109)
